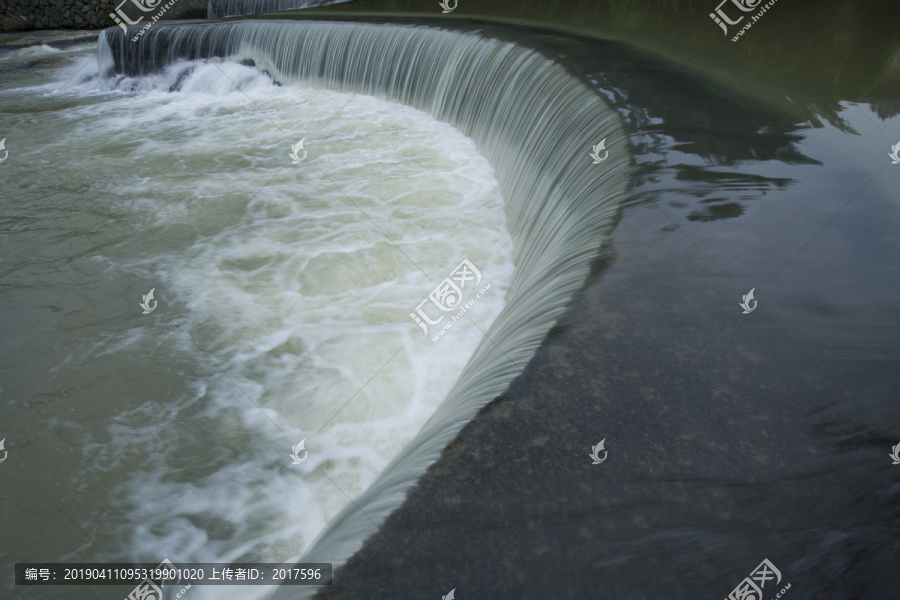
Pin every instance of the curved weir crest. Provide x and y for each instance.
(530, 118)
(217, 9)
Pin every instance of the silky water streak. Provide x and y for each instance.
(217, 9)
(528, 116)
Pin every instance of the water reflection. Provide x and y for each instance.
(802, 59)
(691, 137)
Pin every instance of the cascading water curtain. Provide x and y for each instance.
(218, 9)
(529, 117)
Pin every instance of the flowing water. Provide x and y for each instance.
(284, 290)
(529, 117)
(218, 9)
(283, 295)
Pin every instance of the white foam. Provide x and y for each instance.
(29, 51)
(302, 301)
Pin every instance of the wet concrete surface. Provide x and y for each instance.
(732, 437)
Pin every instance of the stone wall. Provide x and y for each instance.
(20, 15)
(17, 15)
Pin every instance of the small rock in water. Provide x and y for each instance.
(180, 81)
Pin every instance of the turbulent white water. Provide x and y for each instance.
(284, 292)
(533, 121)
(285, 289)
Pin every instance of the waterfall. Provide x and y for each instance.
(217, 9)
(533, 121)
